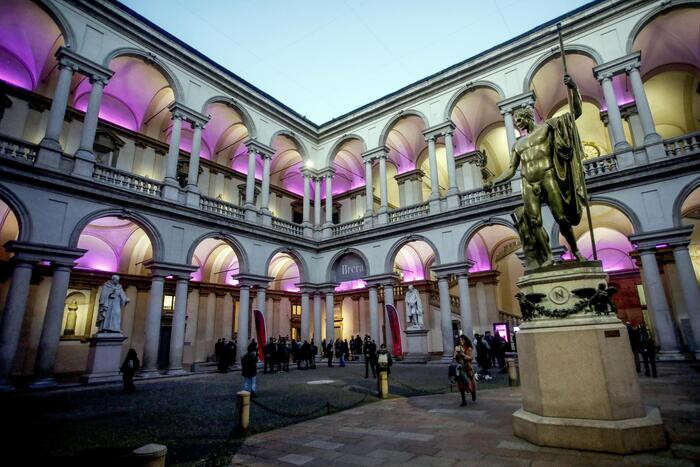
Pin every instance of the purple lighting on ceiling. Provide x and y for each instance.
(351, 285)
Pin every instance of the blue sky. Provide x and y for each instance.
(326, 58)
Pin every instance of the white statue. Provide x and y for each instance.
(414, 308)
(112, 300)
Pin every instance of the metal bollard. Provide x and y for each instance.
(243, 407)
(512, 366)
(383, 384)
(150, 455)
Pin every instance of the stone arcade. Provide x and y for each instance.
(210, 199)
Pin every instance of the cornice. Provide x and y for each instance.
(617, 66)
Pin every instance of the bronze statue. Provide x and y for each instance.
(550, 159)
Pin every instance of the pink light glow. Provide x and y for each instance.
(351, 285)
(477, 252)
(240, 162)
(662, 245)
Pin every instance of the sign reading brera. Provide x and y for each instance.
(349, 267)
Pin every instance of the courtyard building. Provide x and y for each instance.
(125, 151)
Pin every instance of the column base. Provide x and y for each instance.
(251, 213)
(670, 356)
(626, 158)
(171, 190)
(177, 372)
(266, 217)
(44, 383)
(416, 346)
(382, 218)
(84, 164)
(192, 196)
(308, 231)
(616, 436)
(655, 150)
(434, 206)
(453, 200)
(150, 373)
(49, 155)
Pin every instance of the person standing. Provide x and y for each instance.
(270, 349)
(384, 362)
(314, 352)
(648, 349)
(129, 368)
(218, 348)
(465, 372)
(329, 354)
(249, 368)
(634, 337)
(369, 351)
(482, 357)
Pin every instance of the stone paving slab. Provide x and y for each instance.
(435, 431)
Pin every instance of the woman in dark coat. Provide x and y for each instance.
(129, 368)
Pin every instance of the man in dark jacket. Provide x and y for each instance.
(249, 368)
(270, 350)
(370, 352)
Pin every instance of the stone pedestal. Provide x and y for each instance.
(104, 358)
(578, 379)
(417, 346)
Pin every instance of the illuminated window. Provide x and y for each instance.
(168, 303)
(296, 311)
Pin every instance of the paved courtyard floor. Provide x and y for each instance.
(194, 417)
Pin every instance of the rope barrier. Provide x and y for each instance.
(328, 407)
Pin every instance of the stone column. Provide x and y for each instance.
(329, 197)
(451, 170)
(177, 335)
(448, 345)
(11, 324)
(369, 189)
(50, 148)
(243, 319)
(383, 195)
(619, 141)
(484, 324)
(510, 128)
(193, 169)
(171, 185)
(317, 201)
(265, 192)
(464, 306)
(651, 137)
(434, 179)
(261, 305)
(689, 287)
(305, 322)
(152, 328)
(51, 329)
(306, 206)
(389, 300)
(656, 297)
(318, 332)
(84, 157)
(250, 181)
(329, 316)
(373, 314)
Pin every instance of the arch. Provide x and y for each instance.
(391, 256)
(150, 59)
(341, 253)
(572, 48)
(680, 199)
(346, 137)
(291, 135)
(612, 203)
(143, 222)
(247, 118)
(466, 238)
(20, 211)
(402, 114)
(469, 88)
(235, 245)
(69, 38)
(664, 7)
(301, 264)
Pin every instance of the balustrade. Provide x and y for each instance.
(409, 212)
(469, 198)
(683, 145)
(347, 228)
(287, 227)
(126, 180)
(221, 208)
(600, 165)
(18, 150)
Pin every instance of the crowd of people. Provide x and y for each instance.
(490, 353)
(225, 354)
(278, 353)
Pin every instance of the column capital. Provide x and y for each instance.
(328, 172)
(376, 153)
(308, 172)
(676, 237)
(253, 280)
(161, 268)
(510, 104)
(381, 280)
(618, 66)
(265, 151)
(438, 130)
(443, 271)
(416, 174)
(34, 252)
(307, 287)
(183, 112)
(82, 65)
(477, 158)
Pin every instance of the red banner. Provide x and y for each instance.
(260, 332)
(395, 330)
